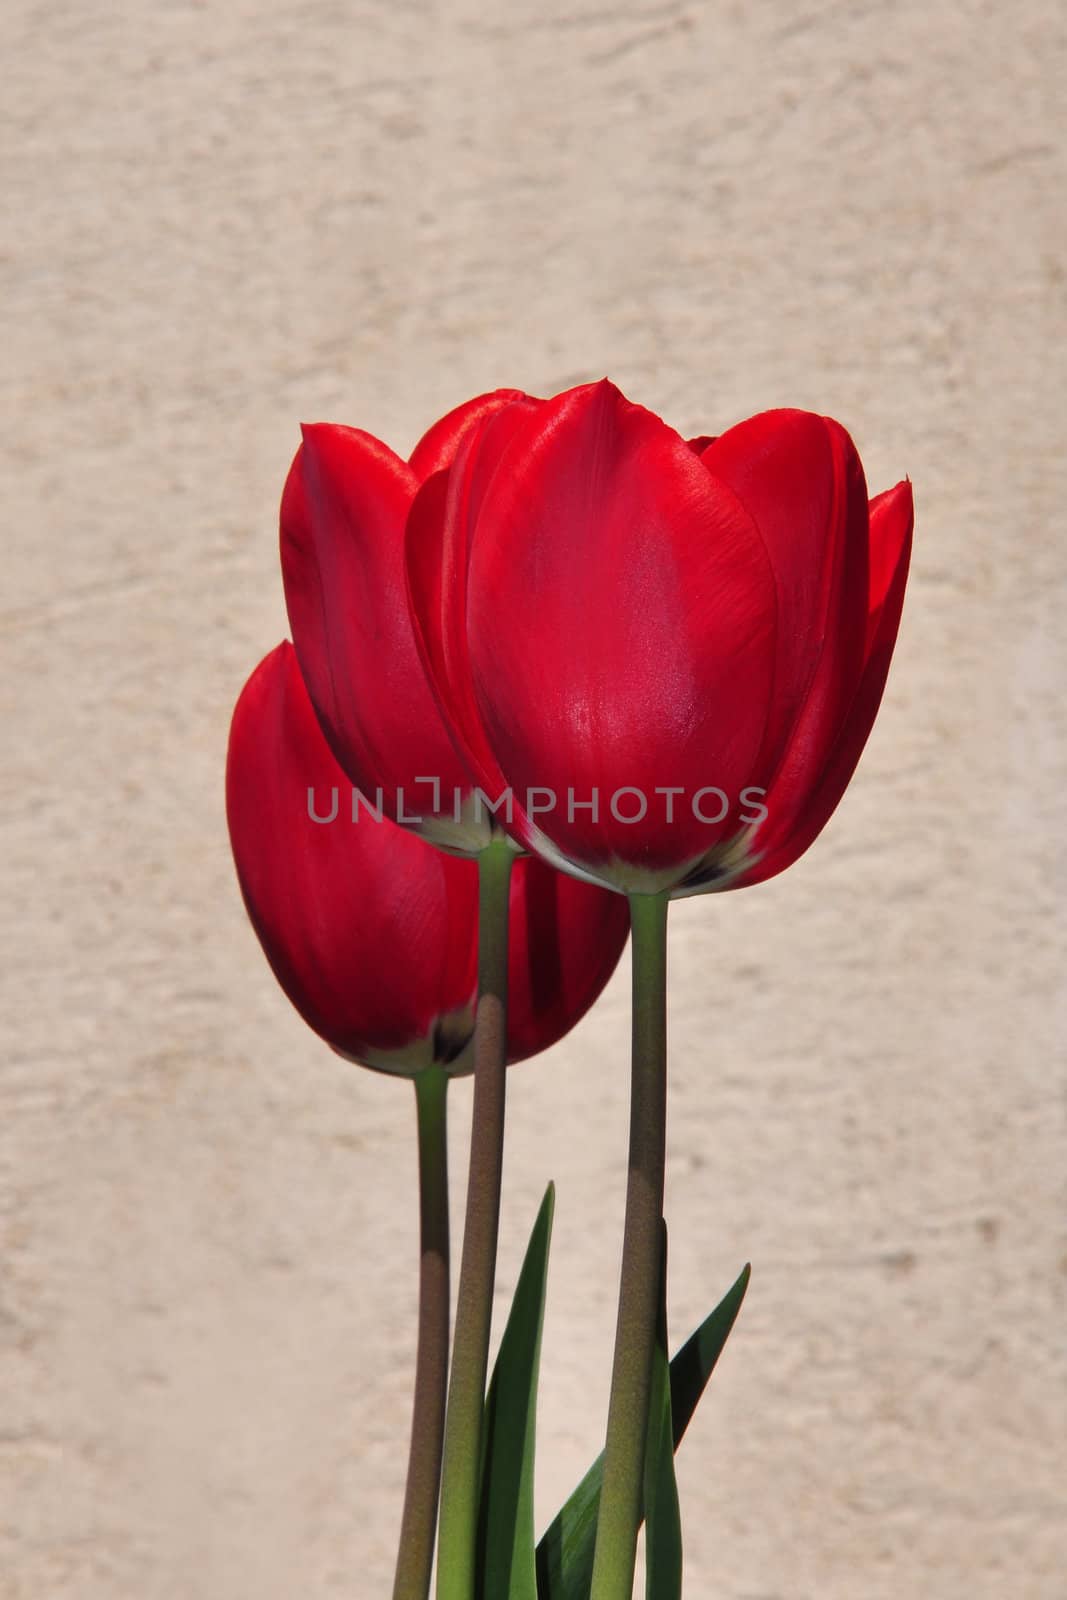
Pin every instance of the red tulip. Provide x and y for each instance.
(371, 932)
(669, 654)
(343, 514)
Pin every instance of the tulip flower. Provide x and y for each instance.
(667, 655)
(343, 514)
(372, 934)
(343, 517)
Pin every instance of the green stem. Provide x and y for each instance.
(470, 1354)
(414, 1560)
(635, 1334)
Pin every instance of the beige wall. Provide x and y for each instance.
(225, 219)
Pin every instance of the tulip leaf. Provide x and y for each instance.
(506, 1556)
(663, 1522)
(693, 1364)
(565, 1552)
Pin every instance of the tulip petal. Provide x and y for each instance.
(343, 512)
(800, 478)
(565, 942)
(892, 516)
(438, 551)
(891, 520)
(620, 618)
(369, 930)
(437, 448)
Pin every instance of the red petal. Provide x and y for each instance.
(565, 942)
(438, 446)
(438, 551)
(620, 618)
(342, 536)
(800, 478)
(370, 931)
(892, 517)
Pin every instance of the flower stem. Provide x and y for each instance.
(414, 1560)
(470, 1353)
(635, 1334)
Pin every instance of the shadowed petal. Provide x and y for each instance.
(800, 478)
(791, 829)
(343, 513)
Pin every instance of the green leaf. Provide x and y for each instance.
(663, 1521)
(565, 1553)
(695, 1361)
(506, 1559)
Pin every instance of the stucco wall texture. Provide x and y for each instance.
(223, 220)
